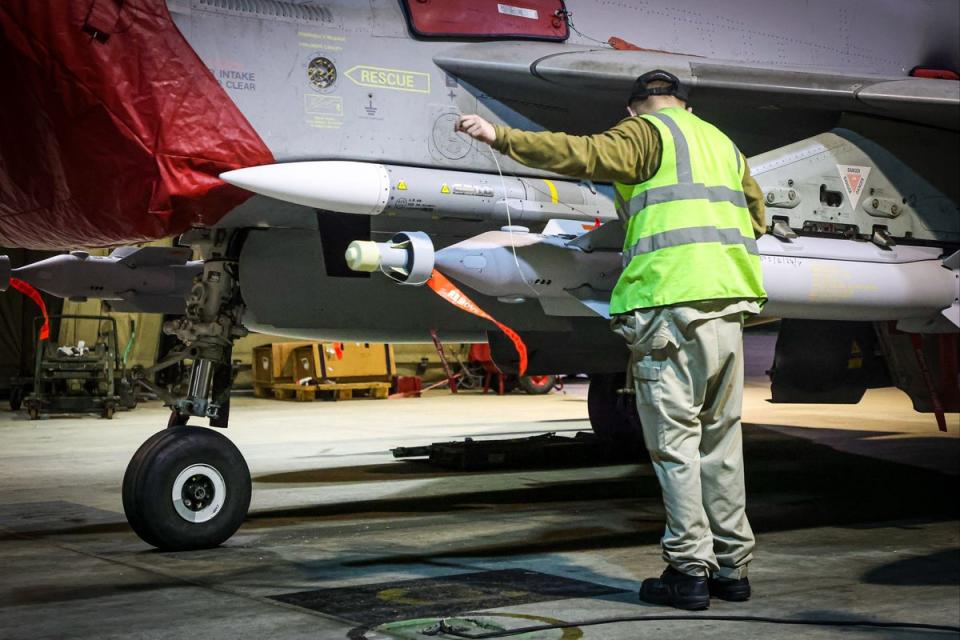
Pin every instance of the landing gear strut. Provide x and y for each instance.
(189, 487)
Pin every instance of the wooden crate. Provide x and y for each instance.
(329, 391)
(273, 363)
(359, 361)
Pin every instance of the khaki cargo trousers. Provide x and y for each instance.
(687, 371)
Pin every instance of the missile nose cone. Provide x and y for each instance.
(4, 273)
(333, 185)
(363, 255)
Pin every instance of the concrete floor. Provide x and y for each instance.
(855, 510)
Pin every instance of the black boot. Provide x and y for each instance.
(677, 590)
(730, 589)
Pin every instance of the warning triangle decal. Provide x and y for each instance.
(854, 178)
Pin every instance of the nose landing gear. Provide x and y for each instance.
(189, 487)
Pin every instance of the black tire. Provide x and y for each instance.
(16, 398)
(153, 472)
(538, 385)
(131, 478)
(613, 416)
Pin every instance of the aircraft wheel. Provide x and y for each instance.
(130, 480)
(537, 385)
(613, 416)
(186, 488)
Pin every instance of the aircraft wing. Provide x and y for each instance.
(533, 78)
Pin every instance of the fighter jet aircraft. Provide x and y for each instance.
(306, 152)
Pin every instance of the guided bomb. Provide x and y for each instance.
(812, 278)
(146, 279)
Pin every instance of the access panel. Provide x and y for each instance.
(534, 19)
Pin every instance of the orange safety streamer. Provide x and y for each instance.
(449, 292)
(27, 289)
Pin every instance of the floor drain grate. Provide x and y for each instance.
(442, 596)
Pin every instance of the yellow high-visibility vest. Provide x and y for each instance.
(689, 235)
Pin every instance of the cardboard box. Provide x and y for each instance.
(344, 361)
(273, 362)
(307, 362)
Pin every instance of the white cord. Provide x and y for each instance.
(506, 202)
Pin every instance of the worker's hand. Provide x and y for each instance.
(477, 128)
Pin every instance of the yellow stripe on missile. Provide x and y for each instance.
(553, 191)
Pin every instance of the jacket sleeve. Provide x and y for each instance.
(628, 152)
(755, 202)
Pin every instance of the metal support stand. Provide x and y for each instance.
(451, 377)
(917, 342)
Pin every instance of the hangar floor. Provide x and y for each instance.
(855, 509)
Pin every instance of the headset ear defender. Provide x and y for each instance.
(641, 91)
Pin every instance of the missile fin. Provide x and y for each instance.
(952, 261)
(952, 313)
(152, 256)
(596, 300)
(607, 237)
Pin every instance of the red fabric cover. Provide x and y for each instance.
(488, 18)
(113, 130)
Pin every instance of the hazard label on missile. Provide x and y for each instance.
(401, 186)
(444, 188)
(854, 178)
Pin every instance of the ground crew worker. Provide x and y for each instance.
(691, 273)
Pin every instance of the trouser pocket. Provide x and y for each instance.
(643, 332)
(646, 383)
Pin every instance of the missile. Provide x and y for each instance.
(810, 278)
(367, 188)
(146, 279)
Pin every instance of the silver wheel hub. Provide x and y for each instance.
(199, 492)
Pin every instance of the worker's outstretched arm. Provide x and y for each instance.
(628, 153)
(755, 203)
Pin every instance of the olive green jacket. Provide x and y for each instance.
(628, 153)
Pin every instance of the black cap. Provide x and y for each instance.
(640, 90)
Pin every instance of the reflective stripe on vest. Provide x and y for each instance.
(689, 235)
(670, 193)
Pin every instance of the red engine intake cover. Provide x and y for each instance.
(113, 129)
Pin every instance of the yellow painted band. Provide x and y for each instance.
(553, 191)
